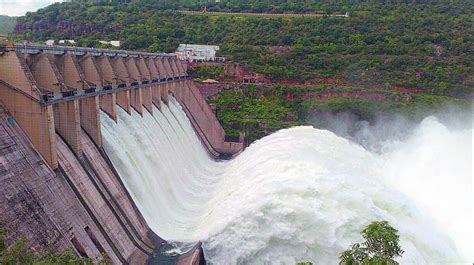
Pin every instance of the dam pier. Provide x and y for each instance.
(59, 188)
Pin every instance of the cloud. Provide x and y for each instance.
(20, 7)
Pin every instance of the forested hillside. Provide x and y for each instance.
(418, 45)
(7, 24)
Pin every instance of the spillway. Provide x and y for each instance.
(298, 194)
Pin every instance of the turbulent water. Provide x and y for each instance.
(298, 194)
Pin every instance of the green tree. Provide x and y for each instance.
(19, 253)
(380, 247)
(205, 72)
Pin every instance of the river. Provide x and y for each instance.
(298, 194)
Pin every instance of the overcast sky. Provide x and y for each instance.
(20, 7)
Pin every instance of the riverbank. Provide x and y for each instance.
(258, 110)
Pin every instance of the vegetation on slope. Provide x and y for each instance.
(420, 45)
(254, 112)
(206, 72)
(263, 110)
(19, 253)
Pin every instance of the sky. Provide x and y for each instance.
(20, 7)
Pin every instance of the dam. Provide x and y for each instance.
(59, 187)
(115, 154)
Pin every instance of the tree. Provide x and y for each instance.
(20, 253)
(380, 246)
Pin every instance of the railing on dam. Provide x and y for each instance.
(58, 97)
(31, 48)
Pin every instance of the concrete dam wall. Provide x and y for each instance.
(58, 187)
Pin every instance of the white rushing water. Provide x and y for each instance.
(298, 194)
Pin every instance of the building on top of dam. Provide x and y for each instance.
(198, 53)
(58, 187)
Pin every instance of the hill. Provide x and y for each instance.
(7, 24)
(424, 46)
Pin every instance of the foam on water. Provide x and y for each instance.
(298, 194)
